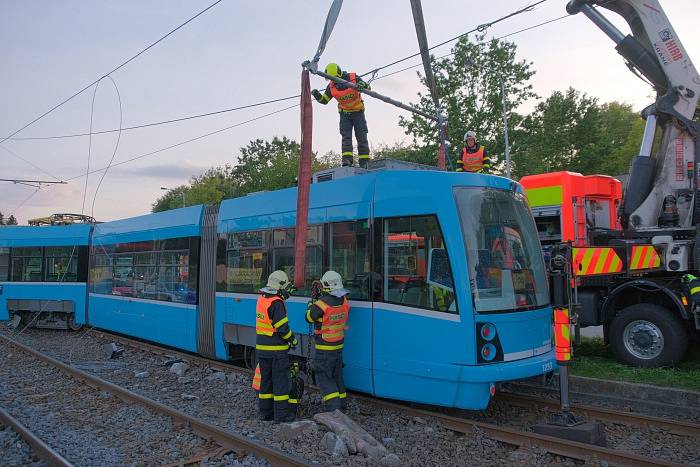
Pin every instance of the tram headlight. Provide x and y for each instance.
(488, 331)
(488, 352)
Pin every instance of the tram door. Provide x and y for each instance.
(415, 316)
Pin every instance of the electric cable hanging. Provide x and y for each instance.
(118, 67)
(116, 147)
(480, 28)
(152, 124)
(181, 143)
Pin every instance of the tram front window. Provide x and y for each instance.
(504, 257)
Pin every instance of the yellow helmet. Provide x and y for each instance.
(334, 70)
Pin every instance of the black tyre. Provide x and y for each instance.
(649, 336)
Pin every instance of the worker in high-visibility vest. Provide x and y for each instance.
(474, 157)
(329, 313)
(692, 286)
(352, 113)
(273, 340)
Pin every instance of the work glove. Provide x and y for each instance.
(316, 93)
(293, 343)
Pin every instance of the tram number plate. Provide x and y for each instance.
(549, 366)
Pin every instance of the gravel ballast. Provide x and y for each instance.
(227, 401)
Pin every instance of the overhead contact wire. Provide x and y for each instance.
(118, 67)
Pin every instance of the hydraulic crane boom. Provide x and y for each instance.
(663, 192)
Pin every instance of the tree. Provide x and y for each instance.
(262, 165)
(468, 83)
(571, 131)
(2, 219)
(557, 135)
(11, 220)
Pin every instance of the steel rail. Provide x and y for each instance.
(42, 450)
(224, 438)
(507, 435)
(610, 415)
(517, 437)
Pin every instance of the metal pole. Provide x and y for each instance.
(376, 95)
(429, 78)
(183, 199)
(505, 126)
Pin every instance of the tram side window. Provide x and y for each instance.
(4, 264)
(283, 254)
(26, 264)
(164, 270)
(409, 244)
(246, 261)
(349, 256)
(101, 270)
(61, 263)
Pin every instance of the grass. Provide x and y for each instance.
(592, 358)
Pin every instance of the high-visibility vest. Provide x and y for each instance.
(349, 99)
(503, 248)
(263, 323)
(257, 378)
(334, 319)
(473, 161)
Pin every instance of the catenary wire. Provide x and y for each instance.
(116, 147)
(481, 27)
(118, 67)
(162, 122)
(181, 143)
(13, 153)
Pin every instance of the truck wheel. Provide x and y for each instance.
(647, 335)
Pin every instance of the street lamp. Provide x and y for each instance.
(470, 64)
(182, 193)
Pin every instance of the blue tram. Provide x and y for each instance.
(448, 286)
(43, 275)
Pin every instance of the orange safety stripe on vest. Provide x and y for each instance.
(473, 161)
(257, 378)
(263, 323)
(349, 99)
(334, 319)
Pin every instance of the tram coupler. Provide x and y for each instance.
(565, 424)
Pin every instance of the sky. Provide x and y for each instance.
(235, 54)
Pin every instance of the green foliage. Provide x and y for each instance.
(595, 360)
(411, 153)
(262, 165)
(9, 221)
(469, 85)
(557, 135)
(571, 131)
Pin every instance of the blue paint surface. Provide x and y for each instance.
(70, 291)
(53, 235)
(176, 223)
(168, 324)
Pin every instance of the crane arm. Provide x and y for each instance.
(654, 51)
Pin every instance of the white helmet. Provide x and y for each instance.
(275, 282)
(469, 134)
(333, 284)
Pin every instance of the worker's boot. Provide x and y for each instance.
(363, 160)
(348, 161)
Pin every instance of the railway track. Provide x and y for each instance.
(224, 438)
(41, 448)
(507, 435)
(607, 415)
